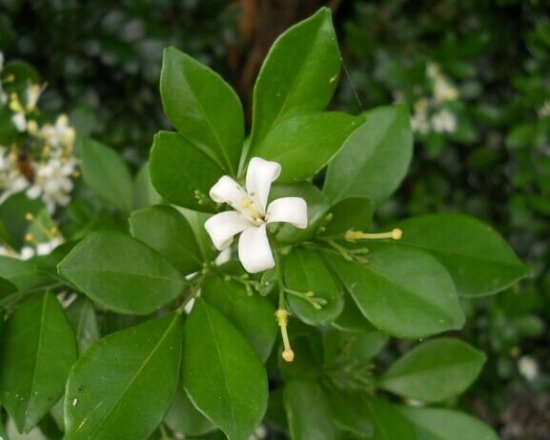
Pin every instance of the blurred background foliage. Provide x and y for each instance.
(476, 75)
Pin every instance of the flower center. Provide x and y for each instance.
(248, 208)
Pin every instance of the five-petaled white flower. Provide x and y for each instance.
(251, 216)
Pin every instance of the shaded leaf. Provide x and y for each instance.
(37, 348)
(122, 274)
(435, 370)
(167, 231)
(205, 110)
(181, 173)
(403, 292)
(477, 258)
(106, 173)
(299, 74)
(375, 158)
(124, 384)
(222, 374)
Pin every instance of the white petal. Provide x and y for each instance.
(226, 190)
(254, 251)
(259, 176)
(223, 226)
(289, 210)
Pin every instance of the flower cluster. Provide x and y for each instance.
(38, 157)
(431, 114)
(251, 214)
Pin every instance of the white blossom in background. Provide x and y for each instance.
(544, 110)
(429, 114)
(443, 122)
(53, 182)
(419, 120)
(251, 214)
(528, 368)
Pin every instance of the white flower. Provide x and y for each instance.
(251, 217)
(59, 135)
(444, 121)
(52, 182)
(528, 368)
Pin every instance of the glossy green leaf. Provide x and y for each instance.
(251, 314)
(145, 194)
(317, 207)
(37, 348)
(299, 74)
(387, 421)
(435, 370)
(83, 319)
(6, 287)
(374, 159)
(167, 231)
(196, 220)
(403, 292)
(107, 174)
(181, 173)
(446, 424)
(349, 410)
(352, 347)
(478, 259)
(124, 384)
(122, 274)
(205, 110)
(303, 144)
(308, 413)
(183, 418)
(351, 213)
(222, 374)
(305, 273)
(23, 274)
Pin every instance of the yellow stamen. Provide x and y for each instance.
(29, 217)
(29, 236)
(246, 203)
(282, 320)
(352, 235)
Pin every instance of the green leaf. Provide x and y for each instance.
(306, 273)
(22, 273)
(478, 259)
(435, 370)
(106, 173)
(349, 347)
(205, 110)
(403, 292)
(182, 174)
(317, 207)
(351, 213)
(145, 194)
(222, 374)
(37, 348)
(6, 287)
(388, 423)
(307, 410)
(122, 274)
(251, 314)
(196, 220)
(305, 143)
(167, 231)
(13, 218)
(349, 410)
(83, 319)
(124, 384)
(446, 424)
(184, 418)
(299, 74)
(374, 159)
